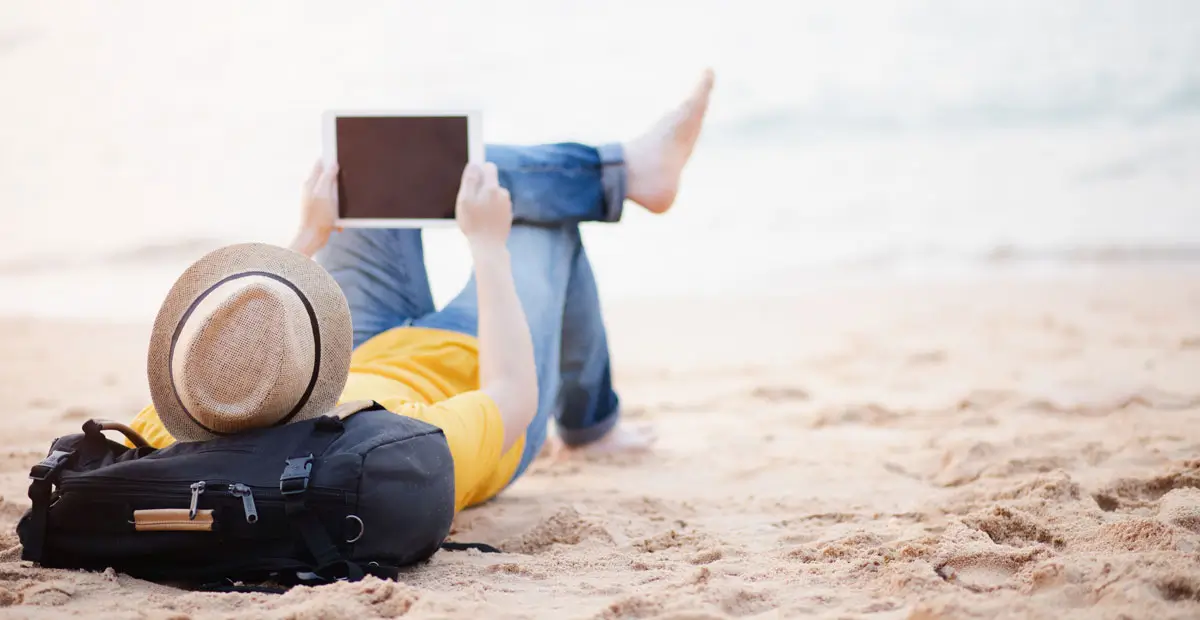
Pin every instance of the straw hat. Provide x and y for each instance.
(250, 336)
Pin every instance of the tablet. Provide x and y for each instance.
(400, 169)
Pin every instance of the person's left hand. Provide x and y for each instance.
(318, 209)
(319, 206)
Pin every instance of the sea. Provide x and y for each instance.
(847, 140)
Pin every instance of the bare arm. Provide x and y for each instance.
(506, 366)
(308, 242)
(484, 213)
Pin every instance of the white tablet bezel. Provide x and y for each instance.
(475, 154)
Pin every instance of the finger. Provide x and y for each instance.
(315, 175)
(491, 176)
(328, 178)
(501, 194)
(470, 181)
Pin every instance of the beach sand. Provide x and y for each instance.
(1008, 446)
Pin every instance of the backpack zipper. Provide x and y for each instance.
(197, 489)
(191, 491)
(238, 489)
(181, 487)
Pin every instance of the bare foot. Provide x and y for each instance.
(655, 160)
(624, 438)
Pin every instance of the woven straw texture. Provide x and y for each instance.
(244, 356)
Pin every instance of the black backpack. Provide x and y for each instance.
(311, 502)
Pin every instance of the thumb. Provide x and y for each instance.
(471, 178)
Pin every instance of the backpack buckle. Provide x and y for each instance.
(49, 466)
(295, 475)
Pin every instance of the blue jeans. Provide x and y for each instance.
(553, 188)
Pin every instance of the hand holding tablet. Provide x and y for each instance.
(400, 169)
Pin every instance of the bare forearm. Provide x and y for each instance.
(506, 363)
(309, 241)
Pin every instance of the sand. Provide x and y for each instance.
(1007, 446)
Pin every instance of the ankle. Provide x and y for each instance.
(646, 181)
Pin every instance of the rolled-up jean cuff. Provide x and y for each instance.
(612, 179)
(581, 436)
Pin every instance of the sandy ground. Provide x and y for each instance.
(1009, 447)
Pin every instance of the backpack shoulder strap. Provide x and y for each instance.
(42, 478)
(467, 546)
(293, 485)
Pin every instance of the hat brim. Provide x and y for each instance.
(317, 286)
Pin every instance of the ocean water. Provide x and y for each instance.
(845, 138)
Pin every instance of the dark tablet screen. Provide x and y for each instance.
(400, 167)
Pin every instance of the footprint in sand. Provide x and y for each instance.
(565, 527)
(968, 557)
(1133, 493)
(978, 574)
(984, 570)
(1008, 526)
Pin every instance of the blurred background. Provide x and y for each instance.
(847, 141)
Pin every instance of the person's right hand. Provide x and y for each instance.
(483, 209)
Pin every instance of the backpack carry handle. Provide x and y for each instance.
(98, 426)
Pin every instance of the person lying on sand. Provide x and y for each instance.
(523, 343)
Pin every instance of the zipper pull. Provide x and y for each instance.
(197, 489)
(244, 492)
